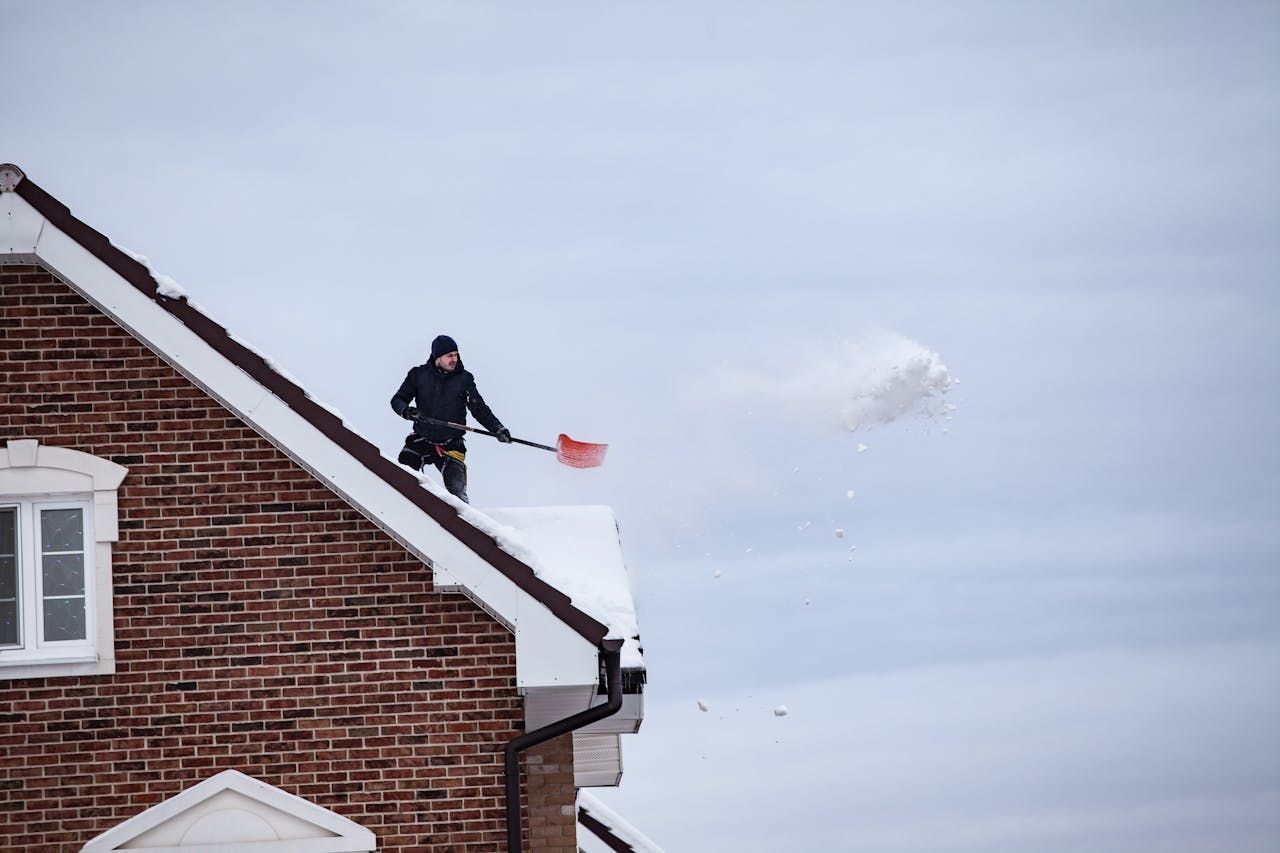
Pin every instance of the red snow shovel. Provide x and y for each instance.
(575, 454)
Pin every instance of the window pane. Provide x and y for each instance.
(63, 574)
(8, 578)
(8, 623)
(8, 531)
(62, 530)
(64, 619)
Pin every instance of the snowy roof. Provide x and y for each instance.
(459, 543)
(577, 550)
(598, 824)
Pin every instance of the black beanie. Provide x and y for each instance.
(441, 345)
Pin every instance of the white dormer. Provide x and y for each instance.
(235, 813)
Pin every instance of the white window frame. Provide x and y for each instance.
(32, 644)
(35, 477)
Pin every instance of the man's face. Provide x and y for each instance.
(448, 362)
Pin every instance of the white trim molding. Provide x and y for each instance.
(235, 813)
(32, 471)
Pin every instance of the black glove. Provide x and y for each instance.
(409, 412)
(503, 435)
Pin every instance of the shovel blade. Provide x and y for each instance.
(579, 454)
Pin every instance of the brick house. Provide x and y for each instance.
(227, 619)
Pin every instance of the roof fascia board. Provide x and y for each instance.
(559, 651)
(552, 651)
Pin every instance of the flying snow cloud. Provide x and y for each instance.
(876, 378)
(889, 378)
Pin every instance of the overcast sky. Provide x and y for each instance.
(657, 225)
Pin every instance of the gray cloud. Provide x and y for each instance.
(1074, 205)
(1099, 751)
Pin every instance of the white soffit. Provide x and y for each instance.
(597, 760)
(626, 721)
(546, 705)
(549, 652)
(235, 813)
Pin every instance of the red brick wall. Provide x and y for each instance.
(261, 623)
(553, 818)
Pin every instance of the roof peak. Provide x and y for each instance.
(10, 177)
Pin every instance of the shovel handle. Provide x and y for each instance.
(439, 422)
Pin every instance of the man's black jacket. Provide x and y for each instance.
(446, 397)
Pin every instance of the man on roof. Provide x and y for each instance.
(444, 390)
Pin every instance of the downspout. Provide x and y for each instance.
(612, 650)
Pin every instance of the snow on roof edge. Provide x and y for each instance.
(616, 823)
(576, 549)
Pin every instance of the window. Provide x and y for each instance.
(46, 577)
(58, 519)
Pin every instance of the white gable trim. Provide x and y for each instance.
(260, 809)
(548, 651)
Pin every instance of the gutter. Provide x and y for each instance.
(612, 651)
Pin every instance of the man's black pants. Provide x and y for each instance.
(455, 476)
(419, 453)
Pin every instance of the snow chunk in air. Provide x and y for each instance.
(875, 378)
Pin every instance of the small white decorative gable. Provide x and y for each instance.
(235, 813)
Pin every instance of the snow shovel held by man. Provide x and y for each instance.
(575, 454)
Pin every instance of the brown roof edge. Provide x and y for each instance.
(216, 336)
(602, 831)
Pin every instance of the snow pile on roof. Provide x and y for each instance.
(615, 823)
(576, 550)
(165, 285)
